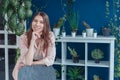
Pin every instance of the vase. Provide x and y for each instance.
(95, 35)
(56, 31)
(106, 31)
(73, 34)
(75, 59)
(84, 35)
(89, 32)
(63, 34)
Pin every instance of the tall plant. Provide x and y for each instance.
(72, 16)
(114, 22)
(73, 19)
(15, 12)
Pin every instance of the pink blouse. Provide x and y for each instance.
(48, 59)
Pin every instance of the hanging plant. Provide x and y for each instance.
(114, 23)
(15, 12)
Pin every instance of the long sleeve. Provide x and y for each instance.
(21, 59)
(51, 52)
(23, 47)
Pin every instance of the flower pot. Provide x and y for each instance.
(63, 34)
(106, 31)
(56, 31)
(75, 59)
(84, 35)
(97, 61)
(89, 32)
(73, 34)
(95, 35)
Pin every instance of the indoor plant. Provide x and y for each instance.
(63, 32)
(89, 30)
(15, 12)
(17, 54)
(74, 54)
(113, 23)
(57, 26)
(73, 19)
(57, 73)
(84, 33)
(97, 54)
(95, 34)
(96, 77)
(74, 73)
(106, 31)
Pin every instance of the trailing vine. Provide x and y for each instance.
(114, 23)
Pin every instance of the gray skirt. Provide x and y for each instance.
(37, 72)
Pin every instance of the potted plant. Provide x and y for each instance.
(56, 27)
(84, 33)
(95, 34)
(63, 32)
(57, 73)
(17, 54)
(105, 31)
(74, 73)
(73, 20)
(74, 54)
(89, 30)
(97, 54)
(95, 77)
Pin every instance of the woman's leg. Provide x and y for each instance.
(37, 72)
(42, 72)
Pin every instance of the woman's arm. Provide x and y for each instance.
(51, 53)
(30, 53)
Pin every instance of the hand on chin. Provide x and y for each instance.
(38, 34)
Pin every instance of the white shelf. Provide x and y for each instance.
(70, 62)
(4, 45)
(109, 64)
(57, 62)
(101, 64)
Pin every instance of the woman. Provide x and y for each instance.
(37, 48)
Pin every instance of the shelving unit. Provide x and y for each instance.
(86, 61)
(8, 45)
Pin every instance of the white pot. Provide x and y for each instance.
(56, 31)
(89, 32)
(63, 34)
(95, 35)
(73, 34)
(84, 35)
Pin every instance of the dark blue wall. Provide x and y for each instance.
(92, 11)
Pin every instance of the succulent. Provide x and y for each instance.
(60, 22)
(97, 54)
(96, 77)
(86, 24)
(73, 52)
(75, 73)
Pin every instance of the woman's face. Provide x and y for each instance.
(38, 24)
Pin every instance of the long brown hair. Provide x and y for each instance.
(45, 32)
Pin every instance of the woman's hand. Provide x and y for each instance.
(21, 64)
(35, 35)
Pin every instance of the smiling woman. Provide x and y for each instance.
(37, 51)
